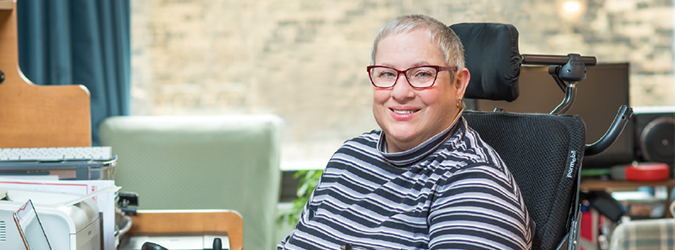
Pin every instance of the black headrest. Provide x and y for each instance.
(493, 59)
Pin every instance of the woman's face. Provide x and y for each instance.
(410, 116)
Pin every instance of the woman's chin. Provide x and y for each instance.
(402, 139)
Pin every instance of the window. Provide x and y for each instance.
(305, 60)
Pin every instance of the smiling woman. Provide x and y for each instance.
(407, 114)
(425, 180)
(304, 60)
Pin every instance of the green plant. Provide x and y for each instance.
(307, 181)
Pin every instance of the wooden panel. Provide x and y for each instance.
(37, 116)
(190, 221)
(6, 4)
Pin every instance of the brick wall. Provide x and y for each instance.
(304, 59)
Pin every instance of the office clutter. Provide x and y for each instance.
(75, 225)
(609, 204)
(185, 229)
(199, 163)
(37, 116)
(63, 163)
(211, 240)
(645, 234)
(635, 219)
(214, 242)
(202, 162)
(69, 170)
(74, 214)
(654, 134)
(651, 171)
(636, 213)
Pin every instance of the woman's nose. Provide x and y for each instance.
(402, 89)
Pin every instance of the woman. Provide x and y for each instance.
(425, 180)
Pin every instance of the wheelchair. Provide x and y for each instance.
(543, 151)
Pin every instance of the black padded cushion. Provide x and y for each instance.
(543, 152)
(493, 59)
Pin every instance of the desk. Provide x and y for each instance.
(190, 221)
(611, 186)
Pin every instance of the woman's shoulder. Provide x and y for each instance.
(470, 152)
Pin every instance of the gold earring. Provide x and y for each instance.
(459, 103)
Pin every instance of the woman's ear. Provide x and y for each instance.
(461, 81)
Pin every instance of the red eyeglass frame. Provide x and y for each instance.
(399, 72)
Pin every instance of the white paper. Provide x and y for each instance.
(105, 200)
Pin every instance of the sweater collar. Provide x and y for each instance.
(425, 148)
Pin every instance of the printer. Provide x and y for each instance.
(68, 227)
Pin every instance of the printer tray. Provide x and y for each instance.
(65, 170)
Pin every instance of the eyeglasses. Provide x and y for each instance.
(419, 77)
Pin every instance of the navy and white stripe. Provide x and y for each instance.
(451, 192)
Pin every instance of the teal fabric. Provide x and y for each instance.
(85, 42)
(202, 162)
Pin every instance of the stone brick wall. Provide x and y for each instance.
(305, 59)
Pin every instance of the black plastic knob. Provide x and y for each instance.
(152, 246)
(217, 244)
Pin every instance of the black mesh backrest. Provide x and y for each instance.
(538, 150)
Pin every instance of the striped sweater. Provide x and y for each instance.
(451, 192)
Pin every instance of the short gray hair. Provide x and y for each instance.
(447, 40)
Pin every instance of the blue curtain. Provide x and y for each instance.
(84, 42)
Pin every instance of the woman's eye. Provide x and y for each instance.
(387, 74)
(423, 74)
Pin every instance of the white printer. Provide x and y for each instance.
(68, 227)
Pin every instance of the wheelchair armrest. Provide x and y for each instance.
(619, 123)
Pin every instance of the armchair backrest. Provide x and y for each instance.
(543, 151)
(202, 162)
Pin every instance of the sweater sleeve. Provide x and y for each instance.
(479, 207)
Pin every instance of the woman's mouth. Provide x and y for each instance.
(403, 112)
